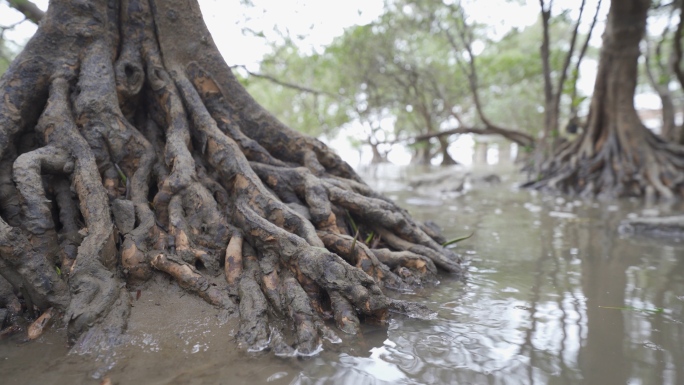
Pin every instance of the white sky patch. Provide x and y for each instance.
(311, 24)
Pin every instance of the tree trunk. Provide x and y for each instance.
(126, 110)
(447, 160)
(616, 155)
(378, 157)
(480, 153)
(660, 81)
(551, 109)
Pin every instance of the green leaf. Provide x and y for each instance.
(121, 174)
(456, 240)
(370, 237)
(353, 246)
(353, 224)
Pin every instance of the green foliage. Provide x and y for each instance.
(405, 67)
(314, 113)
(456, 240)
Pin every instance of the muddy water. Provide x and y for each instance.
(553, 296)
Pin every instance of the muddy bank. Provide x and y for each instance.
(166, 325)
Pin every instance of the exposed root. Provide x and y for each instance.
(635, 164)
(128, 147)
(253, 334)
(345, 315)
(191, 280)
(37, 327)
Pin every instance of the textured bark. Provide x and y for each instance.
(616, 155)
(128, 149)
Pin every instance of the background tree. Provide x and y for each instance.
(658, 70)
(31, 13)
(616, 155)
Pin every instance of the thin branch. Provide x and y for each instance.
(518, 137)
(466, 38)
(573, 96)
(545, 55)
(677, 42)
(30, 10)
(287, 84)
(568, 59)
(10, 27)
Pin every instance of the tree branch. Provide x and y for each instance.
(677, 42)
(286, 84)
(30, 10)
(518, 137)
(568, 59)
(583, 51)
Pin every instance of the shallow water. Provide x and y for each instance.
(554, 295)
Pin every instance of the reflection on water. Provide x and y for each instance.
(554, 296)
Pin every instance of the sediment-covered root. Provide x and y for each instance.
(191, 280)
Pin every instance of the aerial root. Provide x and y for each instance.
(284, 294)
(36, 208)
(431, 229)
(411, 309)
(69, 236)
(400, 244)
(182, 245)
(190, 279)
(38, 326)
(95, 289)
(332, 273)
(33, 258)
(409, 266)
(253, 334)
(344, 313)
(615, 166)
(233, 261)
(358, 254)
(301, 314)
(270, 280)
(36, 274)
(9, 202)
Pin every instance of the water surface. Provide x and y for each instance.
(554, 295)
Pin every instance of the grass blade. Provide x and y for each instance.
(456, 240)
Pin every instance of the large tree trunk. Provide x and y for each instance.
(447, 160)
(616, 155)
(125, 110)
